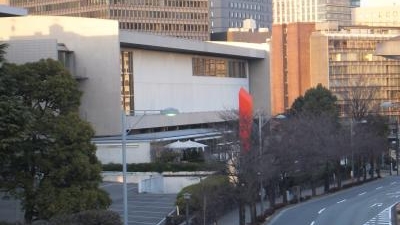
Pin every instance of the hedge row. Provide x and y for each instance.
(163, 167)
(89, 217)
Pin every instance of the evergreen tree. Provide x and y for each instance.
(47, 159)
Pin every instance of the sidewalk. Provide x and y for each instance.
(232, 217)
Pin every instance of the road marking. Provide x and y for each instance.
(320, 211)
(393, 183)
(362, 193)
(341, 201)
(376, 204)
(379, 188)
(383, 218)
(312, 223)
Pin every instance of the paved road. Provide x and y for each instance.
(368, 204)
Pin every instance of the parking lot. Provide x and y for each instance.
(143, 209)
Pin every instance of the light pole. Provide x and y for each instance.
(187, 196)
(167, 112)
(388, 105)
(260, 125)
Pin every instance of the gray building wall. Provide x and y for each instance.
(226, 14)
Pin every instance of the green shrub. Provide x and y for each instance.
(165, 167)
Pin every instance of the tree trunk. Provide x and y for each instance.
(253, 212)
(364, 170)
(242, 213)
(372, 167)
(270, 190)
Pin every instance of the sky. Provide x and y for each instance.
(377, 3)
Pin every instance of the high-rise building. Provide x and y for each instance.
(231, 14)
(293, 11)
(344, 61)
(178, 18)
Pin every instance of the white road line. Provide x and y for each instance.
(362, 193)
(341, 201)
(320, 211)
(393, 183)
(379, 188)
(312, 223)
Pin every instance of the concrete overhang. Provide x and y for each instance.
(7, 11)
(131, 39)
(389, 49)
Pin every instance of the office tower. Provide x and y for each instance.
(293, 23)
(178, 18)
(231, 14)
(344, 60)
(292, 11)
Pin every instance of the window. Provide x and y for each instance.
(218, 67)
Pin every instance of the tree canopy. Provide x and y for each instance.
(316, 101)
(47, 158)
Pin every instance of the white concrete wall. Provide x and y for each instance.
(23, 51)
(152, 182)
(165, 79)
(135, 153)
(95, 43)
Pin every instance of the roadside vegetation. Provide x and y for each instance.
(312, 146)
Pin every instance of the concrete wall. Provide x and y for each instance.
(138, 152)
(319, 60)
(95, 44)
(152, 182)
(163, 79)
(22, 51)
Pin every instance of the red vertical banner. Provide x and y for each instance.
(245, 119)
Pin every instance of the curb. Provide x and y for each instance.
(395, 211)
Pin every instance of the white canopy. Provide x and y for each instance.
(185, 144)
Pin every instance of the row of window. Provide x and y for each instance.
(163, 27)
(219, 67)
(245, 15)
(243, 5)
(364, 69)
(171, 3)
(142, 14)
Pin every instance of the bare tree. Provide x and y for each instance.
(358, 97)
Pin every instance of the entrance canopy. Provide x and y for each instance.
(185, 144)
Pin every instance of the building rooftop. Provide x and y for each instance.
(7, 11)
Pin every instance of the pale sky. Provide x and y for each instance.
(378, 3)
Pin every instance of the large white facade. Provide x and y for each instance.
(162, 70)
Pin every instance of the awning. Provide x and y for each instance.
(185, 145)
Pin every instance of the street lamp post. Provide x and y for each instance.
(387, 105)
(167, 112)
(187, 196)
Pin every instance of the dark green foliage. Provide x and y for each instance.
(90, 217)
(165, 167)
(215, 191)
(315, 101)
(47, 159)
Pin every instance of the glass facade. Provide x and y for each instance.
(354, 66)
(292, 11)
(219, 67)
(127, 97)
